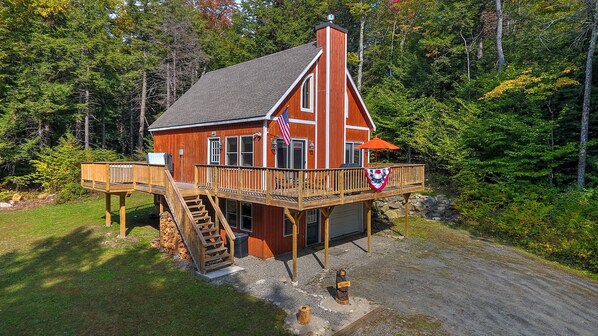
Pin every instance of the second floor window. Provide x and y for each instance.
(307, 96)
(247, 151)
(232, 151)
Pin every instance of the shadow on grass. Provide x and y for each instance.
(75, 284)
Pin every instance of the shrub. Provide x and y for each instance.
(559, 226)
(58, 169)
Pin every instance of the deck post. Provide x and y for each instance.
(161, 204)
(108, 214)
(149, 182)
(239, 181)
(406, 196)
(216, 218)
(368, 219)
(123, 216)
(294, 222)
(108, 177)
(268, 186)
(326, 212)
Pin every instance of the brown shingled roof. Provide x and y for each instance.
(243, 91)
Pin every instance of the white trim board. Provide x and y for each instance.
(302, 121)
(286, 94)
(360, 128)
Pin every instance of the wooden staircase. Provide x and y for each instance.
(199, 232)
(216, 254)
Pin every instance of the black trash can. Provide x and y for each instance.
(241, 248)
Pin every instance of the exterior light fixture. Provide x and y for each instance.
(312, 146)
(274, 144)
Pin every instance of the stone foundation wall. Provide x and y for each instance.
(439, 208)
(171, 241)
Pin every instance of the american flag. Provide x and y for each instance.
(283, 124)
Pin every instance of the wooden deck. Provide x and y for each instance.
(287, 188)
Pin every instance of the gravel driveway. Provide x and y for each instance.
(473, 287)
(439, 281)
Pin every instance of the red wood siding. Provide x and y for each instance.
(357, 115)
(194, 142)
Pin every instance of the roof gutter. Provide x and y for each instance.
(224, 122)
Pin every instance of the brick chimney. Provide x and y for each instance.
(332, 84)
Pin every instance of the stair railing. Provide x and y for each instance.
(224, 222)
(184, 220)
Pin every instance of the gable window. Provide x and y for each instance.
(231, 212)
(307, 94)
(247, 151)
(246, 216)
(352, 154)
(232, 150)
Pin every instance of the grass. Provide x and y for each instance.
(63, 272)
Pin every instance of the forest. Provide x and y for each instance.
(496, 97)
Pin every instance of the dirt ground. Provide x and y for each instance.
(442, 281)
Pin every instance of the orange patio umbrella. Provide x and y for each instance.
(377, 144)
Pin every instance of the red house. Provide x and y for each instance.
(225, 139)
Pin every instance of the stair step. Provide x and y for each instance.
(224, 255)
(215, 243)
(199, 212)
(219, 265)
(202, 218)
(216, 250)
(208, 230)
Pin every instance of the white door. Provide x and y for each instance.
(346, 219)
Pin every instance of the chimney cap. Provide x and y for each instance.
(330, 24)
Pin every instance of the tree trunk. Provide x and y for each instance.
(467, 55)
(167, 85)
(585, 112)
(174, 76)
(142, 111)
(392, 45)
(360, 51)
(499, 24)
(87, 115)
(481, 49)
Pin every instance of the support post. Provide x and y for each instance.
(406, 196)
(108, 214)
(294, 222)
(368, 219)
(123, 216)
(326, 212)
(216, 218)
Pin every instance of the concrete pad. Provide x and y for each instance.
(221, 272)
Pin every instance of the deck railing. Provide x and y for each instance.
(122, 175)
(274, 183)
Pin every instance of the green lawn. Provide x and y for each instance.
(63, 272)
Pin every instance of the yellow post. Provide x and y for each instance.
(123, 216)
(368, 206)
(294, 222)
(406, 196)
(108, 215)
(326, 212)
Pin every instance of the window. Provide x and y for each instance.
(232, 149)
(287, 229)
(246, 215)
(214, 150)
(231, 212)
(352, 154)
(307, 97)
(292, 156)
(247, 151)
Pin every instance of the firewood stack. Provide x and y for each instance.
(170, 238)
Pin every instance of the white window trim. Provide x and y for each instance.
(209, 159)
(234, 225)
(284, 218)
(241, 217)
(226, 150)
(240, 148)
(305, 157)
(309, 78)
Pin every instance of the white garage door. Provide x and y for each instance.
(345, 219)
